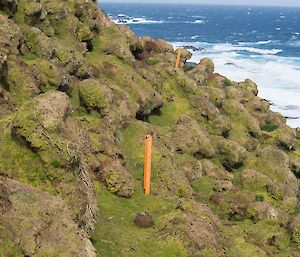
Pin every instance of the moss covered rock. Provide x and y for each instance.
(95, 96)
(48, 227)
(232, 154)
(117, 178)
(38, 124)
(190, 138)
(294, 227)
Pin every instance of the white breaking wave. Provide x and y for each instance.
(230, 47)
(266, 42)
(199, 21)
(276, 76)
(124, 19)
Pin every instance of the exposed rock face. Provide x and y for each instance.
(79, 93)
(48, 226)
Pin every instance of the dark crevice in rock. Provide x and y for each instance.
(5, 85)
(89, 45)
(137, 51)
(225, 134)
(140, 115)
(199, 156)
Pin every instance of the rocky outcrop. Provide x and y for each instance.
(47, 228)
(79, 93)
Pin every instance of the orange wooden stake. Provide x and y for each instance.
(147, 164)
(178, 59)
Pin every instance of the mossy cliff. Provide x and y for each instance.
(77, 96)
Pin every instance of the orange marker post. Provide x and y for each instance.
(178, 59)
(147, 164)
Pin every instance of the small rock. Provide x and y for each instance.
(144, 220)
(65, 85)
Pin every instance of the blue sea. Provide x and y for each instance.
(260, 43)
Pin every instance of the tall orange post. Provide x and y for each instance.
(147, 164)
(178, 59)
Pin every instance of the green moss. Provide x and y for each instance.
(259, 198)
(21, 163)
(132, 144)
(169, 114)
(94, 96)
(152, 61)
(21, 83)
(227, 83)
(50, 74)
(269, 127)
(111, 237)
(30, 57)
(27, 125)
(7, 246)
(203, 187)
(56, 164)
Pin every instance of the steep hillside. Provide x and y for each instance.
(77, 96)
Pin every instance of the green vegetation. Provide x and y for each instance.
(79, 93)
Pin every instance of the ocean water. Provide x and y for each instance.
(260, 43)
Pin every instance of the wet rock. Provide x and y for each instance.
(144, 220)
